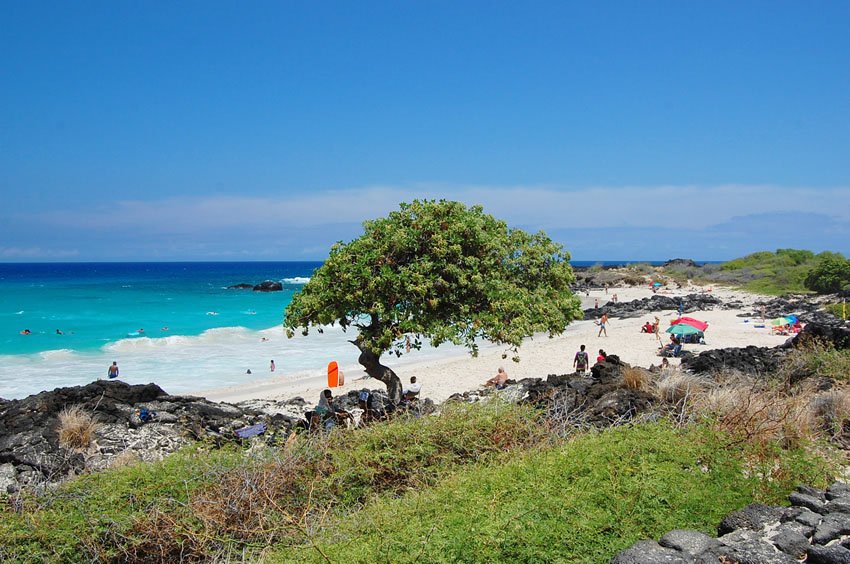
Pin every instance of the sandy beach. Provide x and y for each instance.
(456, 371)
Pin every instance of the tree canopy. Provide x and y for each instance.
(441, 271)
(831, 274)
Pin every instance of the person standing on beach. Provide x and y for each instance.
(113, 370)
(603, 321)
(271, 367)
(581, 360)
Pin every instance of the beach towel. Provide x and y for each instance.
(251, 431)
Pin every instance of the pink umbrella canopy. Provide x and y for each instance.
(695, 323)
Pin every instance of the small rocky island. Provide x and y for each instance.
(265, 286)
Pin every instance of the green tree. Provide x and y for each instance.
(831, 274)
(441, 271)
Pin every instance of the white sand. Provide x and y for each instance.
(454, 372)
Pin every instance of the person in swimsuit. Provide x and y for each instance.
(113, 370)
(603, 321)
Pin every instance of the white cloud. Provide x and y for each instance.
(36, 253)
(657, 222)
(534, 207)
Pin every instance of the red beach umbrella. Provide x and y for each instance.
(695, 323)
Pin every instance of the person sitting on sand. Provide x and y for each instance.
(329, 412)
(498, 380)
(647, 328)
(364, 402)
(671, 347)
(411, 392)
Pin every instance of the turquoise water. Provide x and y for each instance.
(198, 334)
(95, 304)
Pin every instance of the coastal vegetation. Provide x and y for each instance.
(490, 481)
(785, 271)
(441, 271)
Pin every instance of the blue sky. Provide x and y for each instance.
(269, 130)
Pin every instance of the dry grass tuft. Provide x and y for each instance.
(636, 378)
(76, 428)
(830, 409)
(676, 387)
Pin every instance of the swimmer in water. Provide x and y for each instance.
(164, 329)
(26, 332)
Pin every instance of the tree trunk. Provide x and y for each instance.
(371, 362)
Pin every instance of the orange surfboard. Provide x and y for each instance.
(333, 374)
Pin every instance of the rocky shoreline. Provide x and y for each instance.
(814, 528)
(31, 456)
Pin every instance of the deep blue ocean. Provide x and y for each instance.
(176, 324)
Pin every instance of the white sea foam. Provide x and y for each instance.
(182, 364)
(58, 354)
(296, 280)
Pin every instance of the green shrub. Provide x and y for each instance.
(831, 274)
(581, 502)
(841, 310)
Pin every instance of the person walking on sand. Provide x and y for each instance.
(271, 366)
(603, 321)
(581, 361)
(113, 370)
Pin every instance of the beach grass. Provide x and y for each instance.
(582, 501)
(479, 482)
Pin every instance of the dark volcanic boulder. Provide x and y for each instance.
(761, 534)
(836, 335)
(657, 302)
(29, 428)
(749, 360)
(268, 286)
(242, 286)
(680, 262)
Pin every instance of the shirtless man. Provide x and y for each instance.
(498, 380)
(113, 370)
